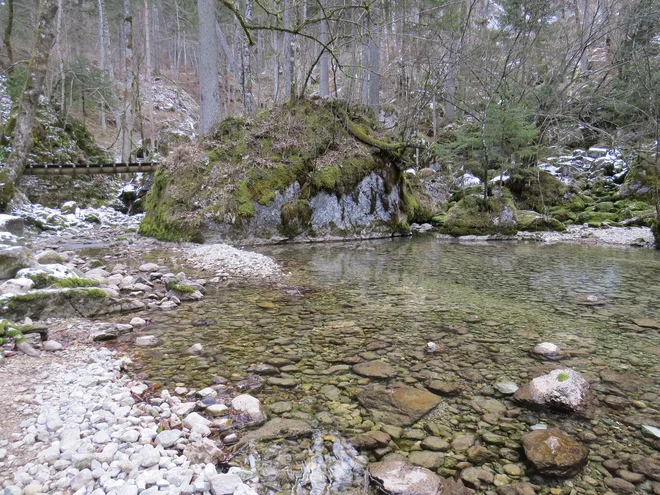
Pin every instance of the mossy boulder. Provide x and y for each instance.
(535, 189)
(13, 259)
(474, 215)
(643, 180)
(298, 171)
(530, 221)
(597, 218)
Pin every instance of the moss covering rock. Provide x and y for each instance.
(475, 215)
(308, 169)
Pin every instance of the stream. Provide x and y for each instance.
(486, 305)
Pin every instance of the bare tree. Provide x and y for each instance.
(210, 113)
(246, 75)
(38, 69)
(8, 31)
(127, 119)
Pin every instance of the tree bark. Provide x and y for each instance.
(127, 120)
(289, 66)
(60, 56)
(210, 114)
(8, 29)
(586, 34)
(246, 75)
(324, 85)
(374, 65)
(149, 90)
(227, 51)
(38, 70)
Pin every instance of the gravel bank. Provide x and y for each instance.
(226, 260)
(85, 428)
(613, 236)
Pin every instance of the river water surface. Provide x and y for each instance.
(488, 304)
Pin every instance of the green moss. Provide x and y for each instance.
(42, 280)
(596, 218)
(96, 263)
(182, 288)
(533, 222)
(73, 282)
(159, 220)
(536, 189)
(295, 217)
(244, 206)
(326, 178)
(13, 333)
(95, 293)
(562, 377)
(475, 216)
(7, 190)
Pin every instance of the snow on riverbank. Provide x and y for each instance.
(85, 428)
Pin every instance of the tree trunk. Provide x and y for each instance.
(366, 69)
(276, 69)
(246, 75)
(109, 65)
(210, 114)
(149, 90)
(586, 34)
(60, 56)
(374, 65)
(289, 67)
(127, 115)
(8, 30)
(38, 70)
(324, 85)
(227, 51)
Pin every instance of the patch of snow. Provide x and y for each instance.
(468, 180)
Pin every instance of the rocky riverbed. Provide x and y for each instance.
(305, 383)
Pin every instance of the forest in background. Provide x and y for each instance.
(471, 83)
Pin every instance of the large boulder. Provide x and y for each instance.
(554, 453)
(13, 259)
(13, 225)
(400, 405)
(46, 275)
(563, 390)
(475, 216)
(400, 478)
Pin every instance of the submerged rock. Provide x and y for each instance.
(554, 453)
(281, 428)
(375, 369)
(400, 405)
(547, 350)
(399, 478)
(563, 390)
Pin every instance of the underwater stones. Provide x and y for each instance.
(249, 406)
(147, 341)
(647, 323)
(396, 477)
(426, 459)
(435, 443)
(462, 443)
(280, 428)
(563, 390)
(280, 407)
(647, 466)
(445, 388)
(547, 350)
(282, 382)
(371, 440)
(478, 454)
(265, 370)
(554, 453)
(375, 369)
(475, 477)
(195, 350)
(506, 388)
(620, 485)
(399, 405)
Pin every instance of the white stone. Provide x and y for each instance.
(148, 456)
(148, 267)
(195, 350)
(224, 484)
(138, 322)
(652, 430)
(201, 430)
(207, 392)
(70, 438)
(52, 345)
(16, 286)
(130, 436)
(193, 419)
(168, 438)
(565, 388)
(547, 349)
(217, 410)
(250, 406)
(184, 408)
(506, 388)
(81, 480)
(147, 341)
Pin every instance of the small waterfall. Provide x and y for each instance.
(341, 471)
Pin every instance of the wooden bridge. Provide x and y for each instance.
(89, 169)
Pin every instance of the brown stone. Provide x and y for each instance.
(444, 388)
(554, 453)
(375, 369)
(399, 405)
(620, 485)
(396, 477)
(371, 440)
(648, 467)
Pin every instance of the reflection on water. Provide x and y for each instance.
(489, 304)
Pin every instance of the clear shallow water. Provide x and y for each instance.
(489, 304)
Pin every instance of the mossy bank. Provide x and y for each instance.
(312, 170)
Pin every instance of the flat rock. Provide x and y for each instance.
(647, 323)
(647, 466)
(168, 438)
(375, 369)
(147, 341)
(281, 428)
(426, 459)
(445, 388)
(547, 350)
(148, 267)
(400, 405)
(554, 453)
(371, 440)
(506, 388)
(282, 382)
